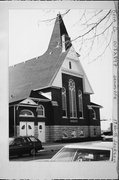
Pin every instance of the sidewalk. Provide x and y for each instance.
(53, 146)
(69, 141)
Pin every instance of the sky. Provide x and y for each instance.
(29, 36)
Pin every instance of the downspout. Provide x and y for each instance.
(89, 115)
(14, 121)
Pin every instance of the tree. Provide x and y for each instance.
(94, 38)
(96, 31)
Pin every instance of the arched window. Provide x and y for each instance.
(29, 127)
(64, 103)
(23, 127)
(72, 99)
(93, 114)
(26, 113)
(40, 127)
(40, 111)
(80, 101)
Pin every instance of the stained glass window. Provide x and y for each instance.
(64, 103)
(80, 101)
(72, 99)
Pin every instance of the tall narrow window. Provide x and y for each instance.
(72, 98)
(40, 111)
(64, 103)
(80, 101)
(93, 114)
(70, 67)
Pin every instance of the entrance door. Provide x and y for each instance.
(41, 131)
(26, 128)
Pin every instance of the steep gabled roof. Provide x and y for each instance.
(38, 72)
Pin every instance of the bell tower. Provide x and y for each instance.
(65, 39)
(60, 38)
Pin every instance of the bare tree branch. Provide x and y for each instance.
(96, 35)
(92, 43)
(49, 20)
(103, 50)
(93, 16)
(91, 32)
(92, 27)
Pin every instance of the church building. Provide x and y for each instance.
(49, 95)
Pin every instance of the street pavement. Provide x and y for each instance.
(53, 146)
(50, 149)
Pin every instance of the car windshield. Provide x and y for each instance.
(72, 154)
(33, 139)
(65, 154)
(11, 141)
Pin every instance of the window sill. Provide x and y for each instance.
(73, 118)
(26, 116)
(81, 117)
(41, 117)
(64, 117)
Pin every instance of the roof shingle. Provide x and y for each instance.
(38, 72)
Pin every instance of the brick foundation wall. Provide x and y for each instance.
(95, 131)
(54, 133)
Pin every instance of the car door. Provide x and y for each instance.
(35, 142)
(27, 144)
(16, 148)
(13, 149)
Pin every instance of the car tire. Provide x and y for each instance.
(33, 152)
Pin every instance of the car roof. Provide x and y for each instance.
(91, 145)
(20, 137)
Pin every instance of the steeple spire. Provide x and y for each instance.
(60, 37)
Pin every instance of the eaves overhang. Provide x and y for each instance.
(93, 105)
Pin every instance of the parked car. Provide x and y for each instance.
(107, 136)
(93, 151)
(24, 145)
